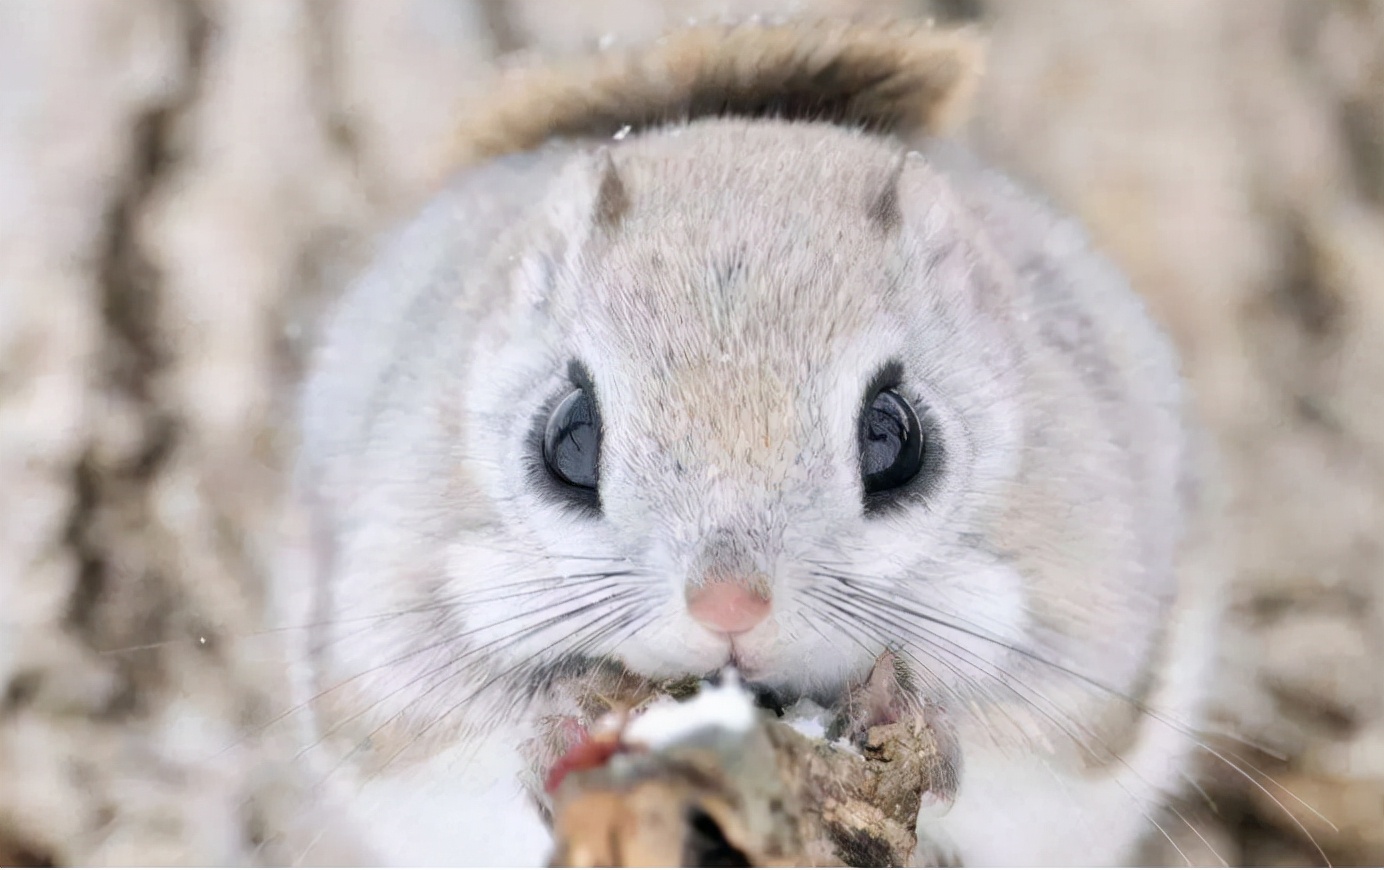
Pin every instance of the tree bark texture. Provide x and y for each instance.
(185, 183)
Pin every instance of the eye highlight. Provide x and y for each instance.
(891, 443)
(572, 441)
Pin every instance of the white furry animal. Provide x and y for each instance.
(750, 382)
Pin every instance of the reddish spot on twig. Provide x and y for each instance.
(587, 753)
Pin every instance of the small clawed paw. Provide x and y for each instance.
(886, 696)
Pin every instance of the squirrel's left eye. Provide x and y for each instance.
(891, 443)
(572, 441)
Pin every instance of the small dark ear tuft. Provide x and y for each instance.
(588, 197)
(611, 199)
(883, 207)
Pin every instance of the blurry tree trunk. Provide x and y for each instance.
(184, 183)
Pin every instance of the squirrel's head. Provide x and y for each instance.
(738, 389)
(763, 393)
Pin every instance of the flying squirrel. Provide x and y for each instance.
(717, 351)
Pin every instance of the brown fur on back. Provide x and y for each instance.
(905, 79)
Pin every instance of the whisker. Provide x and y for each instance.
(1006, 681)
(603, 635)
(1199, 835)
(1181, 728)
(342, 761)
(548, 556)
(554, 581)
(507, 673)
(459, 601)
(478, 690)
(528, 587)
(450, 666)
(398, 660)
(1165, 719)
(940, 689)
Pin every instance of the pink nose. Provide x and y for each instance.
(729, 608)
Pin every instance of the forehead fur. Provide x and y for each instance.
(743, 235)
(748, 269)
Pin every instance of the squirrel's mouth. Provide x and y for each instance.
(747, 664)
(778, 698)
(771, 690)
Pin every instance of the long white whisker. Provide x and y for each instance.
(1006, 681)
(1163, 719)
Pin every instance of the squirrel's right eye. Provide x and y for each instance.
(572, 441)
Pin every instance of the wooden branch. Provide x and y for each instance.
(765, 795)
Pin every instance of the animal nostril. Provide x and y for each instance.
(727, 607)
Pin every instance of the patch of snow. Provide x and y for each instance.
(727, 706)
(845, 745)
(808, 718)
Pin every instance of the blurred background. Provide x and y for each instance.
(184, 184)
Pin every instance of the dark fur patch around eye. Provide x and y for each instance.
(891, 378)
(583, 500)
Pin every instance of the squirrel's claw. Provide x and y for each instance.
(888, 696)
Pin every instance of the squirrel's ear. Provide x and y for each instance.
(585, 200)
(589, 196)
(915, 196)
(611, 200)
(882, 204)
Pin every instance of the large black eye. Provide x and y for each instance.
(891, 443)
(572, 441)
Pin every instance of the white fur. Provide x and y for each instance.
(467, 806)
(731, 320)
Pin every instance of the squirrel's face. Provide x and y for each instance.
(749, 424)
(739, 395)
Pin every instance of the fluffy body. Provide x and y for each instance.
(732, 309)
